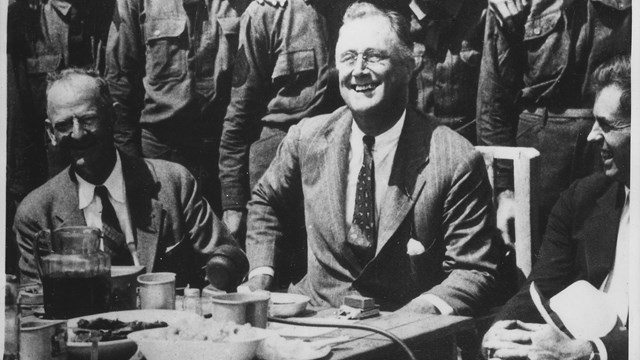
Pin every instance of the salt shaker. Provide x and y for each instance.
(192, 301)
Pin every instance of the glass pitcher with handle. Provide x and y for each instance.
(76, 275)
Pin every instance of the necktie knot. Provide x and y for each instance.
(102, 192)
(368, 141)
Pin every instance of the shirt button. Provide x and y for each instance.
(156, 33)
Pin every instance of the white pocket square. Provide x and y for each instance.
(414, 247)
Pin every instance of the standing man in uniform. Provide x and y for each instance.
(169, 70)
(447, 47)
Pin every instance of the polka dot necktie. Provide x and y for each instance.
(114, 241)
(362, 234)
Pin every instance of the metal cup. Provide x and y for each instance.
(43, 339)
(157, 290)
(250, 308)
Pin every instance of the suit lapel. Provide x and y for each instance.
(145, 210)
(405, 181)
(66, 209)
(335, 184)
(601, 233)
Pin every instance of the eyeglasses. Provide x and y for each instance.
(87, 122)
(369, 58)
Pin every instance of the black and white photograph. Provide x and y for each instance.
(319, 180)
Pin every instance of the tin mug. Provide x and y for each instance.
(252, 308)
(43, 339)
(157, 291)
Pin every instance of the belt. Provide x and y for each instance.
(568, 113)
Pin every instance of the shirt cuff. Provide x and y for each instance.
(263, 270)
(602, 350)
(441, 305)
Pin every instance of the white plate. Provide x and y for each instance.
(120, 349)
(297, 331)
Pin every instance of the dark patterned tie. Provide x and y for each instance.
(114, 241)
(362, 234)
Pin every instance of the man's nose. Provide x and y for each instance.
(596, 132)
(78, 130)
(360, 65)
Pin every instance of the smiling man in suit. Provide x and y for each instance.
(150, 211)
(396, 207)
(587, 238)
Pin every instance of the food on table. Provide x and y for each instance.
(206, 330)
(110, 329)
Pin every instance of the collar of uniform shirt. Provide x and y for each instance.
(62, 6)
(114, 183)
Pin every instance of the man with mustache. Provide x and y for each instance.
(587, 238)
(150, 211)
(396, 207)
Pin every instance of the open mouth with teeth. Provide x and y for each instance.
(364, 87)
(606, 154)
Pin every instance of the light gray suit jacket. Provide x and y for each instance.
(438, 194)
(174, 227)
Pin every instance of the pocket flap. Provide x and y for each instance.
(294, 62)
(43, 64)
(164, 28)
(541, 26)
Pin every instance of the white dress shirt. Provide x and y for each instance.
(91, 205)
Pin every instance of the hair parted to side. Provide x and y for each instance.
(68, 74)
(615, 72)
(397, 22)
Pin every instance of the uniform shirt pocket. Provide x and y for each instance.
(295, 79)
(166, 46)
(547, 43)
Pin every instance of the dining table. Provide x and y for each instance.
(428, 336)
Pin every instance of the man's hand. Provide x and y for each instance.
(256, 283)
(420, 306)
(236, 222)
(511, 14)
(274, 3)
(505, 215)
(509, 339)
(548, 343)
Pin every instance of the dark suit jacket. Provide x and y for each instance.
(579, 244)
(174, 227)
(438, 194)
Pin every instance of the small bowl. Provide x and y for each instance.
(286, 305)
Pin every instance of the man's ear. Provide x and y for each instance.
(52, 136)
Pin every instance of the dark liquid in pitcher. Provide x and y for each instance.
(69, 297)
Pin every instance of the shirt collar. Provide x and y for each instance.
(390, 136)
(114, 183)
(62, 6)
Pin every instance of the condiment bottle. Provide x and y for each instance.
(192, 301)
